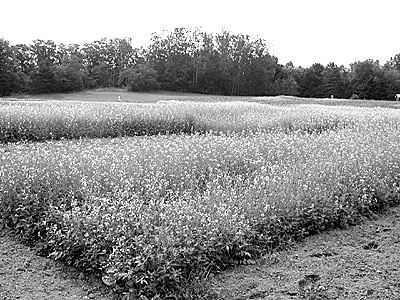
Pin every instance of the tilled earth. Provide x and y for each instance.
(26, 276)
(360, 263)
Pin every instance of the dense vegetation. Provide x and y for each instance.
(188, 61)
(40, 121)
(152, 214)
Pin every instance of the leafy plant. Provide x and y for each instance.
(153, 215)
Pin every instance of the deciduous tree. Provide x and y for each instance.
(6, 68)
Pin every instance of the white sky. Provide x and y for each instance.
(301, 31)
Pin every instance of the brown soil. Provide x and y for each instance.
(26, 276)
(359, 263)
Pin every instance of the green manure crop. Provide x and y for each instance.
(153, 214)
(52, 120)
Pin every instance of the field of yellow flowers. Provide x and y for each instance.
(40, 121)
(186, 189)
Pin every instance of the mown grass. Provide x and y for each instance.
(153, 214)
(112, 94)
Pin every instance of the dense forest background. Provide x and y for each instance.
(187, 61)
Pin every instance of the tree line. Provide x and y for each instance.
(187, 61)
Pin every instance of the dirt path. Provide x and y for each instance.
(26, 276)
(360, 263)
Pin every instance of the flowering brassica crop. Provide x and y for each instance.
(40, 121)
(154, 212)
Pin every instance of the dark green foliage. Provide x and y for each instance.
(69, 76)
(101, 75)
(172, 57)
(367, 80)
(335, 82)
(141, 78)
(393, 63)
(187, 61)
(285, 82)
(43, 80)
(391, 83)
(6, 68)
(311, 84)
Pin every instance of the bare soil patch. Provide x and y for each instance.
(26, 276)
(360, 263)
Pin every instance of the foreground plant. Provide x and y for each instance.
(150, 215)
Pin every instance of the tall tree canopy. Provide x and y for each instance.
(7, 72)
(187, 61)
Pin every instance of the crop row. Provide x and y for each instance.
(150, 214)
(40, 121)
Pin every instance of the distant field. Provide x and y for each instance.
(155, 196)
(33, 120)
(111, 95)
